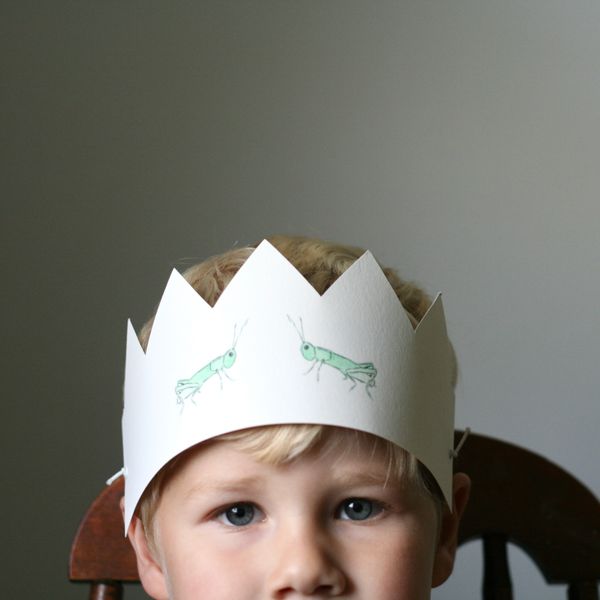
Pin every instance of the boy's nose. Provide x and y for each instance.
(303, 565)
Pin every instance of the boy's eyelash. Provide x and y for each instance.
(244, 517)
(361, 508)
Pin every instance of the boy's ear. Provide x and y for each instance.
(149, 568)
(446, 549)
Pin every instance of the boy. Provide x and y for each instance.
(270, 472)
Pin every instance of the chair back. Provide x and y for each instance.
(520, 497)
(100, 554)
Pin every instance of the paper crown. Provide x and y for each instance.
(273, 351)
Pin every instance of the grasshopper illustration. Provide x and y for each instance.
(188, 388)
(355, 372)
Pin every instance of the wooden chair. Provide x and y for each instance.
(517, 497)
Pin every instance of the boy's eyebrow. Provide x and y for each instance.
(351, 479)
(249, 484)
(240, 484)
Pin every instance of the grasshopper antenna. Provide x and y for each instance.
(237, 337)
(300, 331)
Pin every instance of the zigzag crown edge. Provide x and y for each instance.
(348, 282)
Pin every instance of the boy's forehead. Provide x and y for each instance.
(342, 457)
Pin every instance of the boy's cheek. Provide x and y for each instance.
(405, 569)
(401, 556)
(202, 572)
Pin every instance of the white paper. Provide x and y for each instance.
(208, 371)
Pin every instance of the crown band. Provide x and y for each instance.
(273, 351)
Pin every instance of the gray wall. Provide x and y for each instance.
(458, 139)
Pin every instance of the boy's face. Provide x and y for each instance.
(327, 525)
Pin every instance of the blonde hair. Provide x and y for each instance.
(321, 263)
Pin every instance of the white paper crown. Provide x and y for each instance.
(272, 351)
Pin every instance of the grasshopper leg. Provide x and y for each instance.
(319, 370)
(311, 367)
(368, 385)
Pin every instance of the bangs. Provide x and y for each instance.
(283, 444)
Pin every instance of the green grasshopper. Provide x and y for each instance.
(188, 388)
(355, 372)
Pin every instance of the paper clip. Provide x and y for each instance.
(115, 476)
(463, 439)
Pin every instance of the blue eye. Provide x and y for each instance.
(239, 515)
(358, 509)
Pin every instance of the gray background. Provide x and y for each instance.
(458, 139)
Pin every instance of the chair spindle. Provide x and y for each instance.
(106, 591)
(496, 575)
(583, 590)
